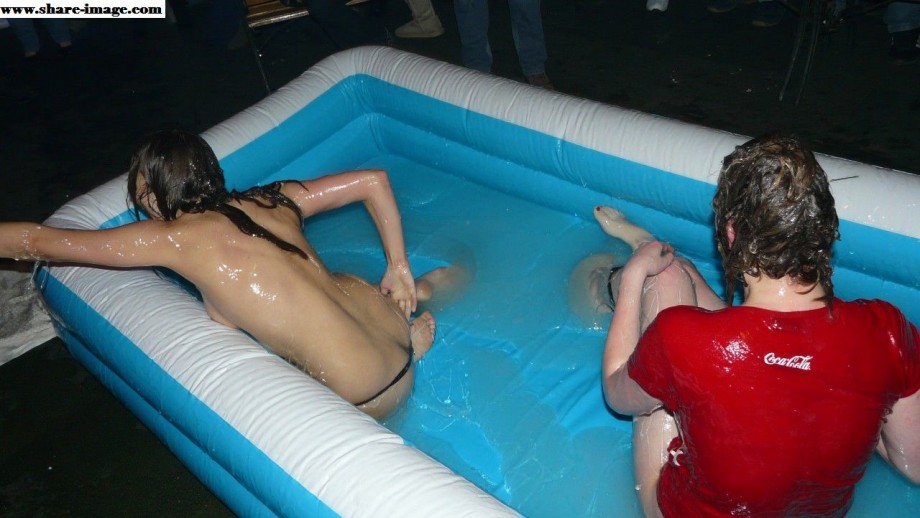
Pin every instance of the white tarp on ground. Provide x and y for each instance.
(24, 324)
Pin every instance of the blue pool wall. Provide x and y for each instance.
(363, 116)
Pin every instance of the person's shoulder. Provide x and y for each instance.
(196, 227)
(688, 311)
(679, 315)
(693, 319)
(878, 306)
(881, 314)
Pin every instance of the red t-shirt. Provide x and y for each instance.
(779, 413)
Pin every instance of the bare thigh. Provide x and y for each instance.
(653, 433)
(651, 436)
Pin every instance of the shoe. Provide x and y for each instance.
(541, 81)
(768, 14)
(425, 22)
(904, 47)
(414, 29)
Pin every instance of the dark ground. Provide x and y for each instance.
(68, 448)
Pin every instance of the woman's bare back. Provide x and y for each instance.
(350, 335)
(338, 328)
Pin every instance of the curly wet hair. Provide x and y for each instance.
(182, 173)
(777, 198)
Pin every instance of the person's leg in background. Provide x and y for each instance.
(903, 20)
(25, 31)
(473, 24)
(59, 31)
(527, 29)
(24, 28)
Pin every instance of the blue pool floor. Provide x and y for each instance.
(509, 395)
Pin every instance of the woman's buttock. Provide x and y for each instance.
(373, 310)
(389, 347)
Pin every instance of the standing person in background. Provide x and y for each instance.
(29, 38)
(773, 407)
(424, 23)
(526, 28)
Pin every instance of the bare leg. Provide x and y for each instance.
(676, 285)
(653, 433)
(705, 297)
(438, 286)
(441, 285)
(615, 224)
(590, 282)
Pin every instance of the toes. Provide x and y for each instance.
(608, 214)
(423, 330)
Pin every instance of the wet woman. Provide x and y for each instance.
(247, 255)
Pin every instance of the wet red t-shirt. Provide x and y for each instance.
(779, 412)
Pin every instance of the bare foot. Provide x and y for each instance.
(443, 283)
(615, 224)
(422, 334)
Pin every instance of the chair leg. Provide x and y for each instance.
(797, 46)
(257, 53)
(816, 15)
(257, 48)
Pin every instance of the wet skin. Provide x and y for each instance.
(348, 334)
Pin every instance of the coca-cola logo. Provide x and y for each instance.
(794, 362)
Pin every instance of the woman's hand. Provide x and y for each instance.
(399, 285)
(651, 258)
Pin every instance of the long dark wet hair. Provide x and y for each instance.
(777, 198)
(182, 172)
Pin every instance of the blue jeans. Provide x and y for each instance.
(901, 16)
(28, 36)
(526, 28)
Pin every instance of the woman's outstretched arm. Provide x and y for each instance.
(135, 244)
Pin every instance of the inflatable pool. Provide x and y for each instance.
(499, 178)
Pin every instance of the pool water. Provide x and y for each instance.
(509, 395)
